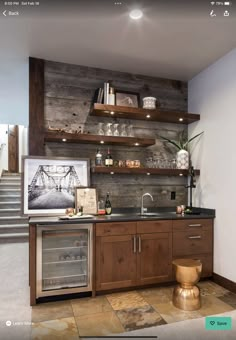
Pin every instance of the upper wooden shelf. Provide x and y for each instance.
(148, 171)
(157, 115)
(52, 136)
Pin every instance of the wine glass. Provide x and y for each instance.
(130, 131)
(116, 131)
(100, 129)
(123, 130)
(109, 130)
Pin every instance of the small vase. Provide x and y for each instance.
(182, 159)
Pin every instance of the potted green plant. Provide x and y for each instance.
(182, 156)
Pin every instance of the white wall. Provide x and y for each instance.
(14, 91)
(3, 147)
(23, 144)
(212, 93)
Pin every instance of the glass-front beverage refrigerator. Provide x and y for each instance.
(64, 259)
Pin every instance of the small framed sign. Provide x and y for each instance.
(86, 200)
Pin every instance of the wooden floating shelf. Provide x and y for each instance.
(146, 171)
(157, 115)
(52, 136)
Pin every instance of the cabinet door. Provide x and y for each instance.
(154, 258)
(115, 262)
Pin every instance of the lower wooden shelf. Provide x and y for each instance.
(146, 171)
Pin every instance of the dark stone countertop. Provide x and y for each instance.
(127, 215)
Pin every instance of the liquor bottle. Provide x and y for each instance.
(98, 158)
(111, 97)
(108, 159)
(108, 205)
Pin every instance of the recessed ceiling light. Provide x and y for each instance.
(136, 14)
(181, 119)
(64, 139)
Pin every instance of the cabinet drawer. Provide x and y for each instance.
(115, 228)
(207, 263)
(192, 242)
(194, 224)
(144, 227)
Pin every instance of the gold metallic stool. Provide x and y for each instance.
(186, 295)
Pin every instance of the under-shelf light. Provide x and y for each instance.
(102, 141)
(64, 139)
(136, 144)
(148, 173)
(148, 116)
(181, 174)
(112, 173)
(112, 112)
(181, 119)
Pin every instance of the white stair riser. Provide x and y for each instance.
(8, 185)
(13, 212)
(9, 191)
(13, 230)
(12, 198)
(14, 220)
(10, 205)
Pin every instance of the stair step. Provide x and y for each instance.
(11, 174)
(9, 185)
(10, 204)
(10, 179)
(10, 212)
(14, 238)
(10, 197)
(14, 228)
(4, 191)
(13, 220)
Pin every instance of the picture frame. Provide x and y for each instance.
(86, 197)
(48, 183)
(127, 98)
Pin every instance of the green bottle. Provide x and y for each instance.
(108, 205)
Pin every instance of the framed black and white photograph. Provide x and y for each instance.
(86, 198)
(126, 98)
(49, 183)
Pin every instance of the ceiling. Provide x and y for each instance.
(170, 41)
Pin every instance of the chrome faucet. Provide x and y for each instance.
(143, 210)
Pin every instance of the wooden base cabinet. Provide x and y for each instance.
(134, 254)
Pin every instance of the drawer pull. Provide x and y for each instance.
(139, 244)
(195, 225)
(191, 237)
(134, 240)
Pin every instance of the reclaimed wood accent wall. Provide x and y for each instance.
(69, 91)
(36, 107)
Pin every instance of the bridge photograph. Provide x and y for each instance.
(51, 183)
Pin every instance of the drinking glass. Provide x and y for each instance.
(101, 129)
(116, 131)
(123, 130)
(130, 131)
(108, 129)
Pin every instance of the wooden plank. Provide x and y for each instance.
(102, 110)
(95, 139)
(36, 107)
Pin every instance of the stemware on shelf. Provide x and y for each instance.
(130, 131)
(108, 129)
(116, 131)
(123, 130)
(101, 129)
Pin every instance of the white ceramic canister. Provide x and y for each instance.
(182, 159)
(149, 103)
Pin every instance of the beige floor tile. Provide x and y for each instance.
(100, 324)
(126, 300)
(229, 298)
(212, 305)
(90, 306)
(208, 288)
(172, 314)
(55, 329)
(51, 311)
(138, 318)
(157, 295)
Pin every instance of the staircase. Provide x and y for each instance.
(13, 227)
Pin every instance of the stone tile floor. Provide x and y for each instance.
(121, 312)
(103, 315)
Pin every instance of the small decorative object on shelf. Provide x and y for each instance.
(98, 96)
(106, 93)
(126, 98)
(111, 99)
(108, 208)
(149, 103)
(182, 157)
